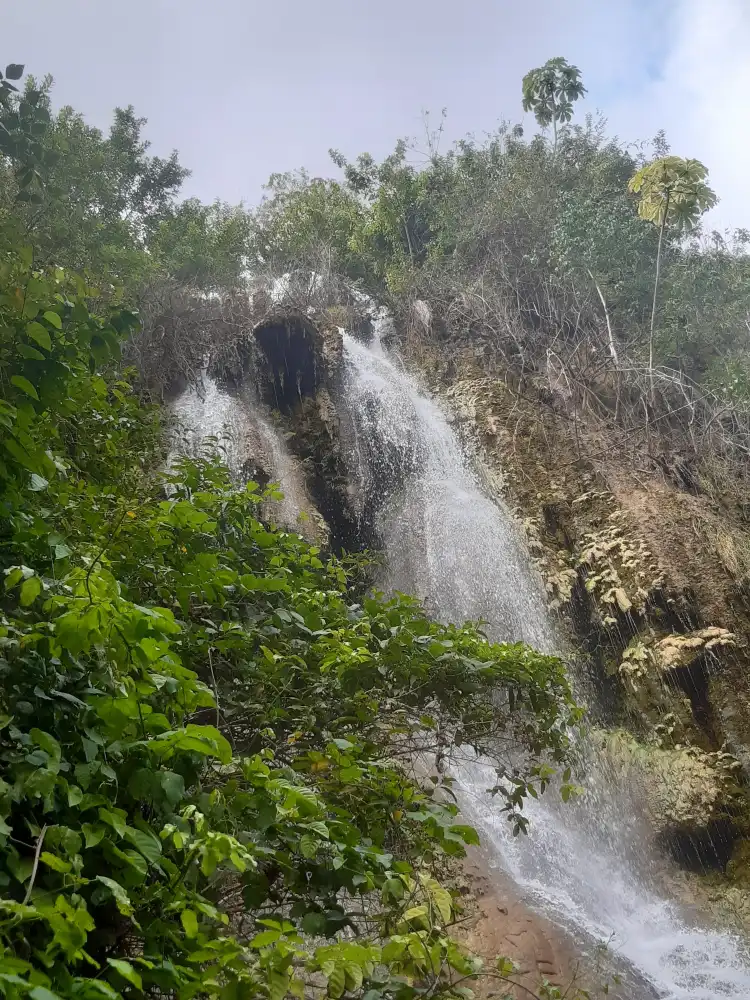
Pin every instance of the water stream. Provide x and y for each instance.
(209, 418)
(448, 541)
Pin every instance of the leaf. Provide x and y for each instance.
(173, 786)
(55, 863)
(94, 834)
(308, 846)
(442, 900)
(38, 483)
(53, 319)
(337, 982)
(146, 842)
(314, 924)
(393, 888)
(14, 71)
(47, 742)
(467, 833)
(75, 795)
(190, 923)
(24, 385)
(127, 972)
(39, 335)
(42, 993)
(30, 353)
(265, 938)
(354, 976)
(30, 590)
(122, 900)
(417, 913)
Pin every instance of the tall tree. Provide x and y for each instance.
(672, 191)
(550, 90)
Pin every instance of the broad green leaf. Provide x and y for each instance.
(40, 335)
(467, 833)
(24, 385)
(53, 319)
(173, 785)
(53, 862)
(122, 900)
(42, 993)
(47, 742)
(336, 981)
(127, 972)
(308, 846)
(30, 590)
(38, 483)
(265, 938)
(31, 353)
(146, 842)
(94, 833)
(190, 923)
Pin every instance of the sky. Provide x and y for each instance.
(245, 88)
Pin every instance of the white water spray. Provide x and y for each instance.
(448, 542)
(237, 426)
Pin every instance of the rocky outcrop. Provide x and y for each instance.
(686, 791)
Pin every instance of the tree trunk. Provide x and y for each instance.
(656, 290)
(612, 347)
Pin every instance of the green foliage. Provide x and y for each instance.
(23, 123)
(205, 245)
(199, 719)
(101, 204)
(550, 90)
(672, 191)
(308, 223)
(540, 229)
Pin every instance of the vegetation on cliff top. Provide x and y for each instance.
(206, 732)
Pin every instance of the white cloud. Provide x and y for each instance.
(702, 97)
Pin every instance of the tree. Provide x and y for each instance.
(673, 192)
(550, 90)
(202, 244)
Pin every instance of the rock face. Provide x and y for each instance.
(686, 791)
(289, 351)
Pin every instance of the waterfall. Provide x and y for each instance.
(449, 542)
(209, 417)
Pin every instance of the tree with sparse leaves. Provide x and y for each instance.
(671, 192)
(549, 92)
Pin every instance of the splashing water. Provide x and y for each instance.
(448, 542)
(248, 441)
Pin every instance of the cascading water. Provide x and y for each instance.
(459, 550)
(236, 424)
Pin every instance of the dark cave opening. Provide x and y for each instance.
(291, 375)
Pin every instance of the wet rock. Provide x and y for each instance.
(685, 790)
(680, 652)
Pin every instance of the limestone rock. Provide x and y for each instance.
(677, 652)
(684, 789)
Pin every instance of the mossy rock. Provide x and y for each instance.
(684, 789)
